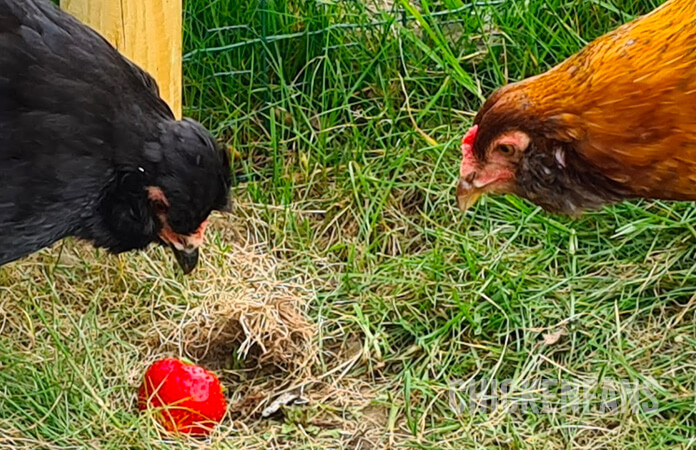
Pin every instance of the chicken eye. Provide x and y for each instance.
(506, 149)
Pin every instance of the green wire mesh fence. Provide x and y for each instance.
(308, 73)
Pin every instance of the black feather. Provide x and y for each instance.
(570, 185)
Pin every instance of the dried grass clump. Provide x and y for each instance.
(243, 311)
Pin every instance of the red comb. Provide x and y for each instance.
(470, 136)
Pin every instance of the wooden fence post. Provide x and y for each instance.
(148, 32)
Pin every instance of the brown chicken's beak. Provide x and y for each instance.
(467, 195)
(187, 259)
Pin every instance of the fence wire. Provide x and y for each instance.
(380, 18)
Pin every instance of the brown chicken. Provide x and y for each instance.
(615, 121)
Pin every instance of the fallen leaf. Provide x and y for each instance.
(553, 338)
(287, 399)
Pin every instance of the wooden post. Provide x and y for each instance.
(148, 32)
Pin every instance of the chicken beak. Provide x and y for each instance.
(185, 247)
(467, 195)
(187, 259)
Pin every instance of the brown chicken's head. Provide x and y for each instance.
(493, 148)
(516, 148)
(491, 169)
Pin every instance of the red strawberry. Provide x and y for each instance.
(189, 398)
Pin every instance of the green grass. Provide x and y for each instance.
(407, 294)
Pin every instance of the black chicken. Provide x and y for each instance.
(89, 149)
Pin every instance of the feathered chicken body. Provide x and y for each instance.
(89, 149)
(613, 122)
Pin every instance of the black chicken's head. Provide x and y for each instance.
(168, 195)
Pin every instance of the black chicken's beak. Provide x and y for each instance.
(188, 260)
